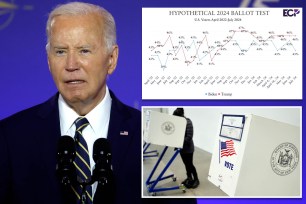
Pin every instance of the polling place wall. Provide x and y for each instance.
(206, 119)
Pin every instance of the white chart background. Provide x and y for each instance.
(254, 55)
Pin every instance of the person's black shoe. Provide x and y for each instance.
(196, 183)
(189, 183)
(187, 180)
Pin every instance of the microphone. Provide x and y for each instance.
(103, 172)
(102, 156)
(65, 168)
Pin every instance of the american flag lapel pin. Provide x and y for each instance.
(124, 133)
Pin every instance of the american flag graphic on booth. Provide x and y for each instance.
(227, 148)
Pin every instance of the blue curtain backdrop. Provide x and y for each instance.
(25, 79)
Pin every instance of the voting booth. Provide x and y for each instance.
(163, 129)
(168, 131)
(256, 157)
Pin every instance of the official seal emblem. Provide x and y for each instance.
(284, 159)
(168, 128)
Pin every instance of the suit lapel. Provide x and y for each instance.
(118, 133)
(50, 133)
(49, 115)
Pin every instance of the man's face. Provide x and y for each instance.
(78, 59)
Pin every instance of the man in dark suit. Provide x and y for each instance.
(82, 51)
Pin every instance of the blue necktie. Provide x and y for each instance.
(82, 163)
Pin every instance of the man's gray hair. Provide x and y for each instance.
(80, 8)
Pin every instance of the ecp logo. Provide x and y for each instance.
(290, 12)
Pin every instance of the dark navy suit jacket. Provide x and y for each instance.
(28, 148)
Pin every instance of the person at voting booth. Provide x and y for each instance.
(186, 153)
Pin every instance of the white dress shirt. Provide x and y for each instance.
(98, 119)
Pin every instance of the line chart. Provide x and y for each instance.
(196, 50)
(220, 44)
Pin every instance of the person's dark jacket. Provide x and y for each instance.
(188, 146)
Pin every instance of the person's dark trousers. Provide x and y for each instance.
(190, 168)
